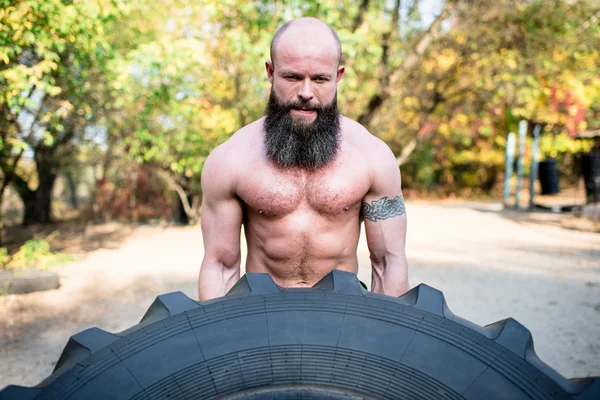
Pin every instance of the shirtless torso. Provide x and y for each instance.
(299, 225)
(302, 218)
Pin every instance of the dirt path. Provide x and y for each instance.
(489, 267)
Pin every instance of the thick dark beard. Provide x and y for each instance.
(292, 144)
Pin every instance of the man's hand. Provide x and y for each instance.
(384, 214)
(221, 225)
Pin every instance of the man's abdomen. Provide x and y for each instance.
(299, 256)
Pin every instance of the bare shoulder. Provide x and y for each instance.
(230, 158)
(374, 150)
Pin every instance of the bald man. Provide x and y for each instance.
(301, 180)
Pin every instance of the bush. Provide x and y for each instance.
(4, 257)
(33, 253)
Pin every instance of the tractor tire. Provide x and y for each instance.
(334, 341)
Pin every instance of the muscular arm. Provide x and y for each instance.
(221, 224)
(384, 215)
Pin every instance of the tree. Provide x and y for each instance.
(52, 55)
(198, 75)
(495, 64)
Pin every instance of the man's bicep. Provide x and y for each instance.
(221, 218)
(385, 227)
(383, 210)
(386, 207)
(221, 224)
(384, 214)
(384, 199)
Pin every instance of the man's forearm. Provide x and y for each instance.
(216, 280)
(390, 278)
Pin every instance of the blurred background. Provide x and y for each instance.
(109, 108)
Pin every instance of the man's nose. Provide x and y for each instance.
(306, 93)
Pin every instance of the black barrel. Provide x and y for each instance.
(590, 168)
(548, 175)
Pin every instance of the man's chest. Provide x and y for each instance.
(330, 192)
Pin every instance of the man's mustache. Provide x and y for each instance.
(302, 106)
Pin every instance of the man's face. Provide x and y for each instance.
(305, 74)
(302, 119)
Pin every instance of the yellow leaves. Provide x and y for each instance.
(85, 110)
(559, 55)
(21, 77)
(428, 66)
(410, 101)
(461, 118)
(460, 37)
(43, 67)
(4, 12)
(53, 90)
(444, 129)
(489, 85)
(446, 59)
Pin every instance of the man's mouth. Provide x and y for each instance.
(304, 110)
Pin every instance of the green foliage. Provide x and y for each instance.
(34, 253)
(500, 62)
(53, 55)
(555, 145)
(4, 257)
(169, 87)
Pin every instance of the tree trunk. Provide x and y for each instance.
(72, 184)
(43, 195)
(1, 219)
(37, 203)
(133, 212)
(2, 190)
(186, 199)
(408, 64)
(358, 20)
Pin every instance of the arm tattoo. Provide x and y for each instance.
(383, 208)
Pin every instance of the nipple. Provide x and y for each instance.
(346, 208)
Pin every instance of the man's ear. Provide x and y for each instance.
(270, 70)
(340, 73)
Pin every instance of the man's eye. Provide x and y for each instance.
(321, 79)
(292, 78)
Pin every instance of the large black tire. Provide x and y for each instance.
(333, 341)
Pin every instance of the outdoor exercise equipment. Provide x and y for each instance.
(333, 341)
(545, 170)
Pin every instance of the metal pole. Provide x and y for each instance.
(534, 163)
(510, 155)
(522, 135)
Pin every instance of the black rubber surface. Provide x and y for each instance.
(333, 341)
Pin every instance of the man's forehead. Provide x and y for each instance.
(305, 52)
(307, 37)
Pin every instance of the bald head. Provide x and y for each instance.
(306, 30)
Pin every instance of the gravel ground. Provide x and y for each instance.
(489, 264)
